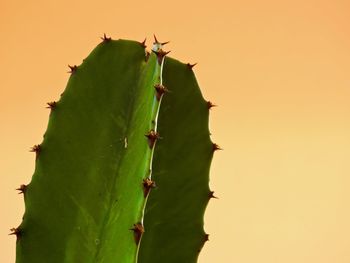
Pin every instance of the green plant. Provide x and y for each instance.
(122, 173)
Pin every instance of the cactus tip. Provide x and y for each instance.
(73, 69)
(190, 66)
(105, 38)
(22, 189)
(51, 105)
(138, 231)
(147, 185)
(152, 136)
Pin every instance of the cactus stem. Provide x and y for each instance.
(36, 148)
(216, 147)
(152, 136)
(147, 185)
(190, 66)
(211, 195)
(138, 231)
(160, 89)
(105, 38)
(211, 105)
(51, 105)
(160, 54)
(22, 189)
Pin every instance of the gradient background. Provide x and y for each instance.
(280, 73)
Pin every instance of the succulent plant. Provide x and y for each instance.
(122, 174)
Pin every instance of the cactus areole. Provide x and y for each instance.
(122, 174)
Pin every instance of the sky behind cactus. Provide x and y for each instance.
(280, 73)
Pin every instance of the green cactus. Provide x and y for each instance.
(122, 173)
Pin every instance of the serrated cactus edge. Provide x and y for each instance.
(122, 174)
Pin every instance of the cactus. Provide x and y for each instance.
(123, 170)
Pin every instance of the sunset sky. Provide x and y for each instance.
(280, 73)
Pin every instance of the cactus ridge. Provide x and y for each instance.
(122, 173)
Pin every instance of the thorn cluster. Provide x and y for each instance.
(36, 148)
(147, 185)
(211, 195)
(73, 69)
(138, 231)
(190, 66)
(143, 43)
(22, 189)
(160, 55)
(160, 89)
(51, 105)
(156, 42)
(216, 147)
(210, 104)
(16, 231)
(105, 38)
(152, 136)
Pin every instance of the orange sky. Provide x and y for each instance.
(280, 73)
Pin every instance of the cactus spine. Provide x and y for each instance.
(118, 177)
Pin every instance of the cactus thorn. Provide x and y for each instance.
(211, 195)
(105, 38)
(36, 148)
(157, 42)
(152, 137)
(51, 105)
(73, 69)
(147, 185)
(147, 56)
(22, 189)
(205, 239)
(160, 55)
(160, 90)
(190, 66)
(143, 43)
(216, 147)
(155, 39)
(16, 231)
(211, 105)
(138, 231)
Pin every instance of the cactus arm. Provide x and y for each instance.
(86, 192)
(175, 209)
